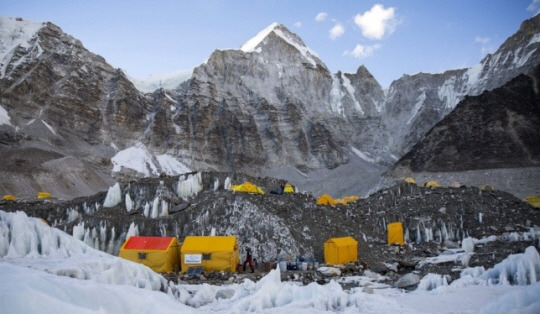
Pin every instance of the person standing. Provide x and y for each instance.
(249, 259)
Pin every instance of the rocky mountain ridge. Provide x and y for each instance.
(271, 104)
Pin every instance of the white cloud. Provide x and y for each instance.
(482, 40)
(534, 7)
(321, 17)
(337, 31)
(377, 22)
(298, 24)
(361, 51)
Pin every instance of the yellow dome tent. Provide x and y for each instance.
(158, 253)
(326, 199)
(410, 180)
(9, 198)
(338, 251)
(213, 253)
(395, 233)
(432, 184)
(288, 188)
(247, 187)
(534, 200)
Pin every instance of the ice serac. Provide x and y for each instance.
(415, 103)
(273, 102)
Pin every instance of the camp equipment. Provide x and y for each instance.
(159, 253)
(432, 184)
(340, 250)
(9, 198)
(410, 180)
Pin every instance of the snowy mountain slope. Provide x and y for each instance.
(168, 81)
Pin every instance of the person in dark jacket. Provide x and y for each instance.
(249, 259)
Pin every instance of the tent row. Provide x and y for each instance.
(166, 255)
(40, 195)
(455, 184)
(326, 199)
(221, 253)
(248, 187)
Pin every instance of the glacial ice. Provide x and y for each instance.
(114, 196)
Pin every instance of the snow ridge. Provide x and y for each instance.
(15, 33)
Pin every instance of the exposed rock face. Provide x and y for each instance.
(416, 103)
(497, 129)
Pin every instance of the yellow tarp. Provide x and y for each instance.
(43, 195)
(247, 187)
(410, 180)
(326, 199)
(395, 233)
(214, 253)
(9, 198)
(534, 200)
(159, 253)
(338, 251)
(432, 184)
(347, 199)
(288, 188)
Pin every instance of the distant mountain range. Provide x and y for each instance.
(73, 124)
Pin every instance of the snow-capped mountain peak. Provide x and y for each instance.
(256, 43)
(14, 33)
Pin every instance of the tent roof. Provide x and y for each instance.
(209, 243)
(148, 243)
(343, 241)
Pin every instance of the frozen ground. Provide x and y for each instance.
(44, 270)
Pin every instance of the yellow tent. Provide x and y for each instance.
(487, 187)
(43, 195)
(158, 253)
(214, 253)
(534, 200)
(9, 198)
(395, 233)
(432, 184)
(326, 199)
(288, 188)
(339, 251)
(247, 187)
(410, 180)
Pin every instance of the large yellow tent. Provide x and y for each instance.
(395, 233)
(213, 253)
(247, 187)
(432, 184)
(159, 253)
(326, 199)
(339, 251)
(534, 200)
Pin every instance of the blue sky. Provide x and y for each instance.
(390, 38)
